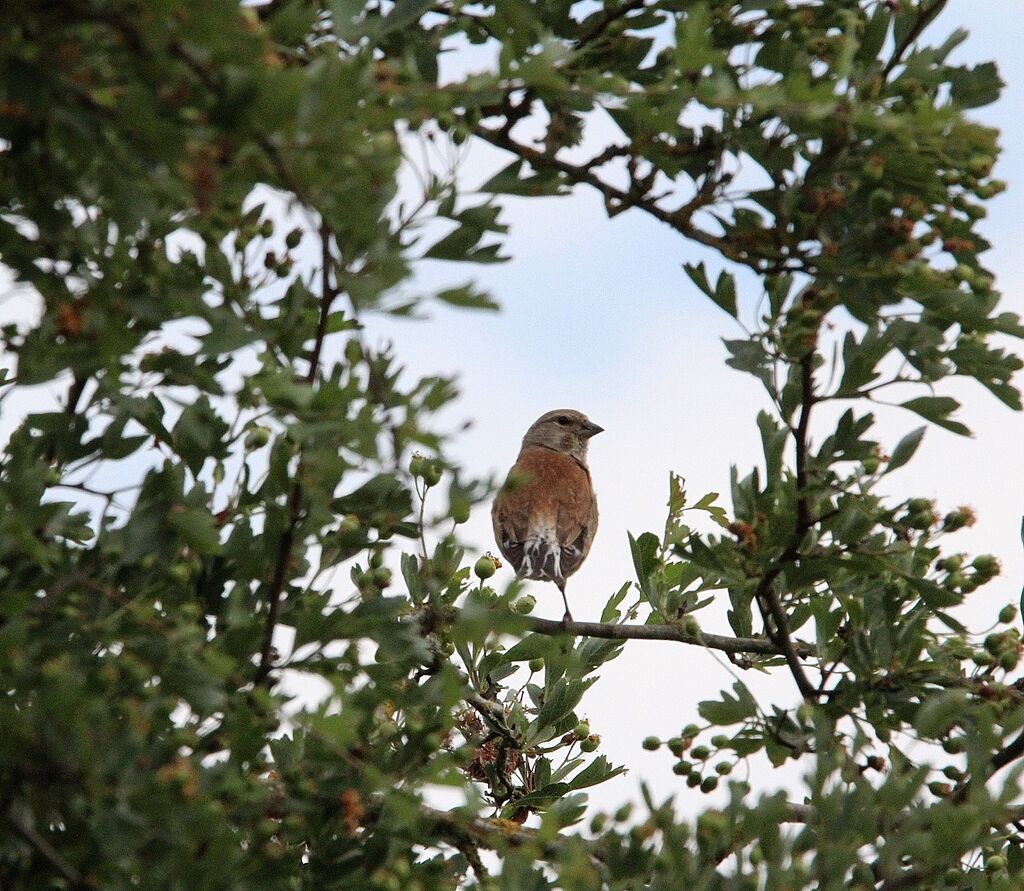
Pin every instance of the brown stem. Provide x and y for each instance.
(287, 543)
(47, 851)
(603, 22)
(616, 199)
(759, 646)
(925, 16)
(807, 399)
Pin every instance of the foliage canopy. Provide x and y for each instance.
(203, 200)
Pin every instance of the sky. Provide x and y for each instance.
(597, 315)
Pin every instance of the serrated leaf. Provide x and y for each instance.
(467, 297)
(561, 700)
(599, 770)
(937, 409)
(731, 710)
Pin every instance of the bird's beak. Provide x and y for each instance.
(591, 429)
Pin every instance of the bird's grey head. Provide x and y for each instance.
(563, 430)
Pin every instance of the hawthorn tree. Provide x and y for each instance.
(200, 213)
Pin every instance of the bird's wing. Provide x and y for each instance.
(577, 522)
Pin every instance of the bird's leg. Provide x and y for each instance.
(567, 618)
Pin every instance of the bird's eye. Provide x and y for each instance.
(563, 420)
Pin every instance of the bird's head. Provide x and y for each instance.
(563, 430)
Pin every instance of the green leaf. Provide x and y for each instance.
(731, 710)
(561, 700)
(405, 13)
(974, 87)
(599, 770)
(725, 293)
(200, 434)
(937, 409)
(645, 557)
(939, 713)
(905, 449)
(467, 297)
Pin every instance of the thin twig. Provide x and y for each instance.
(925, 16)
(47, 851)
(287, 542)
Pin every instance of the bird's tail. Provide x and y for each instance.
(542, 560)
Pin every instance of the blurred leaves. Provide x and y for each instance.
(205, 204)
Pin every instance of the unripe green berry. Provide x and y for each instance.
(417, 464)
(701, 753)
(724, 768)
(709, 784)
(954, 745)
(995, 642)
(459, 510)
(986, 565)
(179, 572)
(582, 730)
(1008, 660)
(691, 626)
(963, 272)
(376, 559)
(693, 780)
(524, 605)
(485, 567)
(952, 563)
(1008, 613)
(719, 740)
(651, 743)
(293, 238)
(432, 473)
(536, 664)
(676, 746)
(690, 730)
(682, 768)
(257, 438)
(995, 863)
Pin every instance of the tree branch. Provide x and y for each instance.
(609, 17)
(925, 16)
(617, 200)
(47, 851)
(759, 646)
(328, 292)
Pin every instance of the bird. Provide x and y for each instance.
(545, 514)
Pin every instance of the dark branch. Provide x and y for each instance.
(608, 18)
(925, 16)
(47, 851)
(617, 200)
(756, 645)
(283, 559)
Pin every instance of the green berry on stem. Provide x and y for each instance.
(485, 567)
